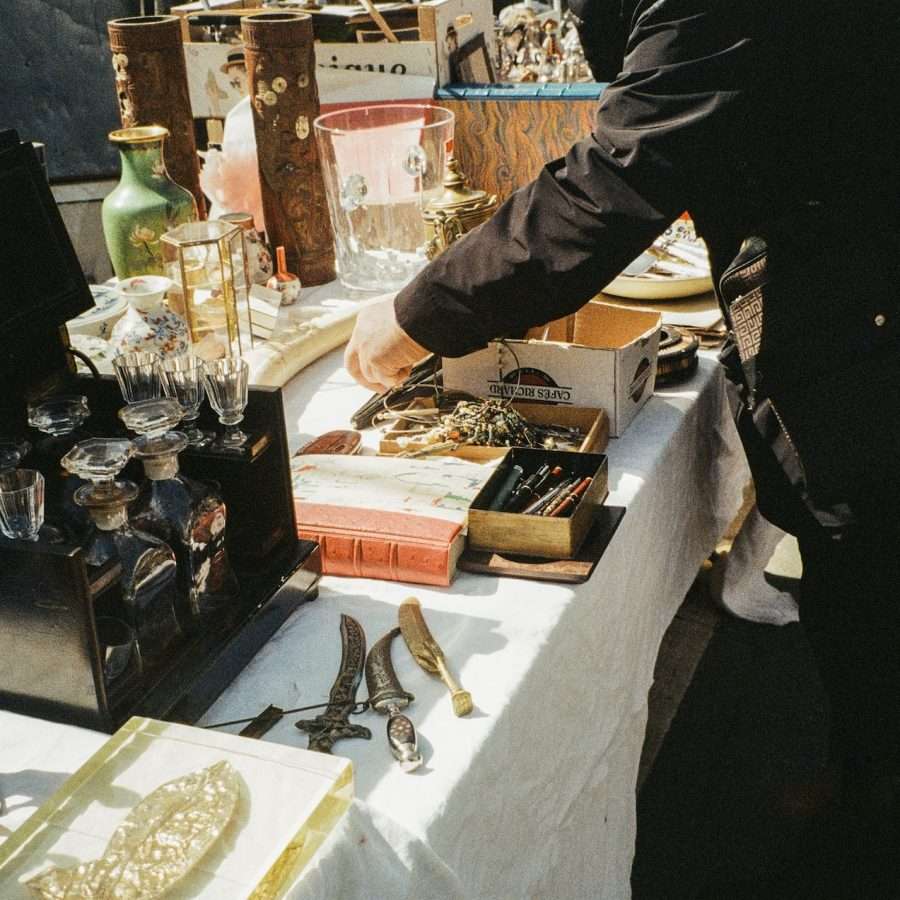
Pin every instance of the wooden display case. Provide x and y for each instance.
(50, 662)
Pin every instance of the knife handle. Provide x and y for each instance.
(401, 735)
(462, 700)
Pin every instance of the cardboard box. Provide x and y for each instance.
(592, 423)
(540, 536)
(602, 356)
(443, 26)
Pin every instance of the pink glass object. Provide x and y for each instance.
(382, 165)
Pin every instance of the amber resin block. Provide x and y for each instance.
(270, 807)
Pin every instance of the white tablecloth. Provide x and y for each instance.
(534, 793)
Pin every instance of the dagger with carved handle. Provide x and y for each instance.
(427, 653)
(334, 724)
(386, 695)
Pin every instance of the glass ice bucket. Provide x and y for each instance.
(382, 165)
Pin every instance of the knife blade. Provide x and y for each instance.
(334, 724)
(386, 695)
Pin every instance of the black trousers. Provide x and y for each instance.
(850, 610)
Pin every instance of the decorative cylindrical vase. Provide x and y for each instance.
(152, 88)
(144, 205)
(281, 64)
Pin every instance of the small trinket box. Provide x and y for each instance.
(550, 536)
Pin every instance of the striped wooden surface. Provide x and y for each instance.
(503, 144)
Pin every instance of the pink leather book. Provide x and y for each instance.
(383, 517)
(370, 543)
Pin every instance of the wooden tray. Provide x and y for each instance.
(569, 571)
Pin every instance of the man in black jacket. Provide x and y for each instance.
(760, 117)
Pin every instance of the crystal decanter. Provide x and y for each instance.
(61, 418)
(148, 578)
(189, 515)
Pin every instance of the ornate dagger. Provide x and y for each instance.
(386, 695)
(427, 653)
(334, 724)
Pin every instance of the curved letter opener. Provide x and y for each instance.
(428, 654)
(334, 724)
(386, 695)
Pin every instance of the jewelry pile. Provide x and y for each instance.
(480, 423)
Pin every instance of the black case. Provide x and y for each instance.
(50, 662)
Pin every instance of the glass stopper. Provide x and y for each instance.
(152, 418)
(59, 415)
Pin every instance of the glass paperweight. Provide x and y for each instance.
(227, 386)
(188, 515)
(147, 582)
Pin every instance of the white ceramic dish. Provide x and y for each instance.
(644, 288)
(108, 308)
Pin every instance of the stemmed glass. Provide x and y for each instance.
(139, 375)
(183, 381)
(21, 504)
(227, 384)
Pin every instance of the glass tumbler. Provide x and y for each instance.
(382, 165)
(139, 375)
(227, 386)
(21, 504)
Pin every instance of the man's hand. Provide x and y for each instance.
(380, 353)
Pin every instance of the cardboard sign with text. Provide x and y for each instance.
(602, 356)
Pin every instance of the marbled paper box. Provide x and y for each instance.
(289, 800)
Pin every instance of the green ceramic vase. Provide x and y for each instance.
(145, 203)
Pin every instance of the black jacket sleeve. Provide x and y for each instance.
(661, 141)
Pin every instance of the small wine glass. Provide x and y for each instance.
(139, 375)
(21, 504)
(183, 381)
(227, 384)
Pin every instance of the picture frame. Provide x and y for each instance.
(471, 63)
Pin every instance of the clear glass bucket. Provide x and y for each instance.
(382, 165)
